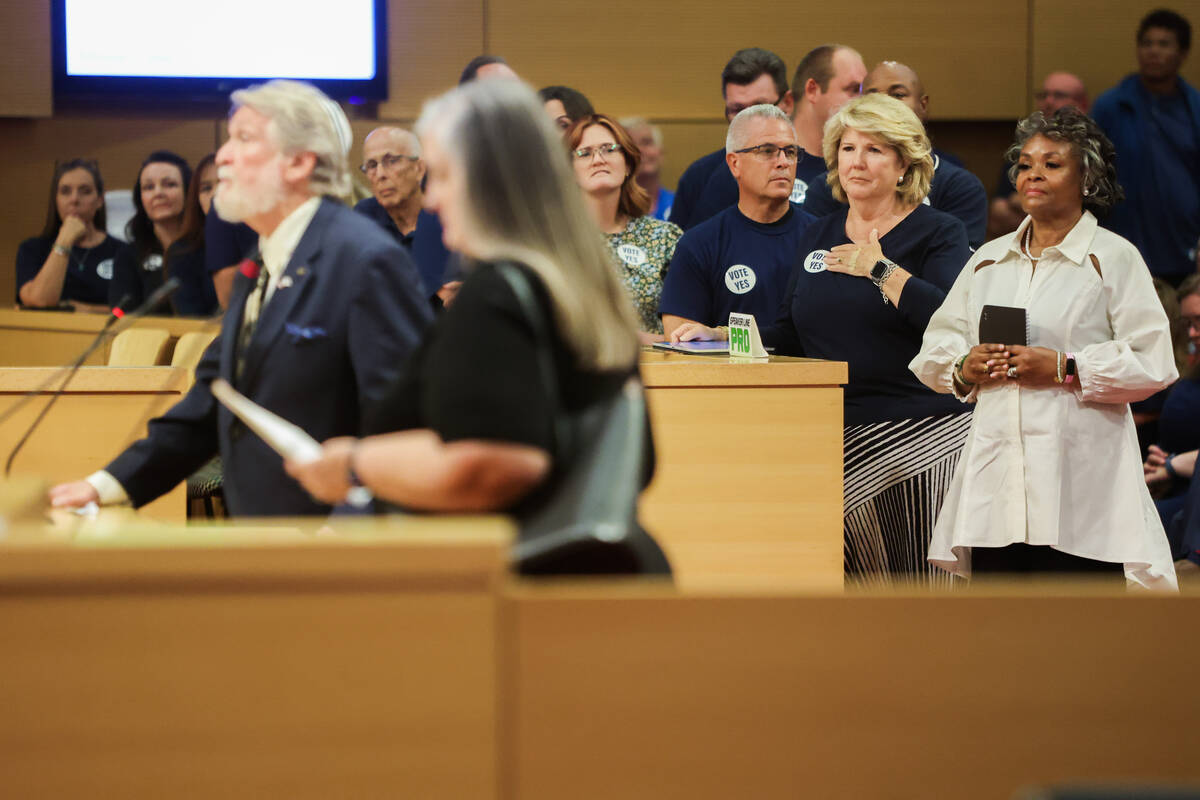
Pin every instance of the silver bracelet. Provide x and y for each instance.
(62, 251)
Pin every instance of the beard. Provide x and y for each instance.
(237, 202)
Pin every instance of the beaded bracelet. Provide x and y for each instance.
(1170, 468)
(959, 375)
(1058, 367)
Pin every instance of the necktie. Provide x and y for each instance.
(254, 302)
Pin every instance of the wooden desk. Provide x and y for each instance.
(748, 487)
(143, 662)
(50, 338)
(632, 693)
(102, 411)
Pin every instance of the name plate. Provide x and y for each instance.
(744, 340)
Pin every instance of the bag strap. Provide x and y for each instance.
(519, 282)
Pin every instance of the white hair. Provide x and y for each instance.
(303, 119)
(735, 139)
(410, 138)
(631, 124)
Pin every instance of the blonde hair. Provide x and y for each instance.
(525, 206)
(303, 119)
(897, 126)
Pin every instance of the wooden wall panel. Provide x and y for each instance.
(664, 59)
(119, 143)
(25, 75)
(1095, 39)
(430, 41)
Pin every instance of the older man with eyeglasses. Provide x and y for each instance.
(740, 259)
(394, 169)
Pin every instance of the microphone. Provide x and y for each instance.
(168, 288)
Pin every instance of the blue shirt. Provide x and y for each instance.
(89, 271)
(1158, 142)
(844, 318)
(663, 203)
(952, 190)
(424, 244)
(226, 244)
(732, 263)
(708, 187)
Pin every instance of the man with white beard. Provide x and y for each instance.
(317, 327)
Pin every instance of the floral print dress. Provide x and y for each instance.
(642, 252)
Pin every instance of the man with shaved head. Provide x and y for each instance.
(393, 166)
(953, 190)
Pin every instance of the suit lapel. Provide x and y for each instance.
(297, 281)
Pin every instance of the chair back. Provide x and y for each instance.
(139, 347)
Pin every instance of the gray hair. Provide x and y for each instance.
(1098, 173)
(525, 206)
(303, 119)
(630, 124)
(735, 139)
(409, 138)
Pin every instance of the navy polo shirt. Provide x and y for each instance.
(844, 318)
(424, 244)
(953, 190)
(708, 187)
(226, 243)
(732, 263)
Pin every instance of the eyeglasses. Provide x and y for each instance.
(602, 150)
(1185, 321)
(732, 111)
(387, 162)
(769, 152)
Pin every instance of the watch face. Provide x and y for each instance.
(878, 270)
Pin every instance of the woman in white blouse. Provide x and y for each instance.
(1050, 479)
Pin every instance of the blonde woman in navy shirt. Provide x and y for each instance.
(867, 280)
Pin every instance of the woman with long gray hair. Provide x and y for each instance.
(469, 426)
(1051, 479)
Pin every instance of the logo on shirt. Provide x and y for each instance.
(632, 255)
(740, 279)
(815, 261)
(104, 269)
(153, 263)
(799, 190)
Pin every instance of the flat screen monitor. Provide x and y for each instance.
(204, 49)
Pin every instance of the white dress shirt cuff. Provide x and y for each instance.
(111, 492)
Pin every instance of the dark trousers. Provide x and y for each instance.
(1024, 559)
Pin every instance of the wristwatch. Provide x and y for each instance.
(882, 270)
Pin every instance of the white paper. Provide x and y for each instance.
(289, 440)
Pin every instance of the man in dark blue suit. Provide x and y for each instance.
(316, 329)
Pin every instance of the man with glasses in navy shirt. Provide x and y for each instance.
(752, 77)
(740, 259)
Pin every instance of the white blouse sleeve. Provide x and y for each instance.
(1138, 361)
(947, 338)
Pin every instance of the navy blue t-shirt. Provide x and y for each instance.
(226, 243)
(844, 318)
(732, 263)
(424, 244)
(88, 274)
(708, 187)
(953, 190)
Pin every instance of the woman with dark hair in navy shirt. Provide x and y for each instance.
(71, 262)
(184, 258)
(868, 279)
(159, 193)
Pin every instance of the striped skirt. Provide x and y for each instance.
(897, 474)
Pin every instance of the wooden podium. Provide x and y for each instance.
(252, 661)
(747, 490)
(101, 412)
(50, 338)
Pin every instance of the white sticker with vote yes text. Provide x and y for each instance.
(740, 279)
(632, 255)
(815, 261)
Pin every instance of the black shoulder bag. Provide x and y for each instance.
(588, 524)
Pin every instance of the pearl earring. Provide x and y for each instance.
(1086, 191)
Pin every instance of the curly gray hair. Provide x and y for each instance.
(1098, 175)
